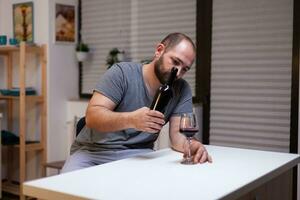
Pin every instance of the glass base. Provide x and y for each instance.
(187, 161)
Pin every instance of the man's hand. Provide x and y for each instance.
(198, 152)
(147, 120)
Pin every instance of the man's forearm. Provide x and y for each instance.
(104, 120)
(177, 142)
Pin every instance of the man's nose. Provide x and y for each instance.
(179, 72)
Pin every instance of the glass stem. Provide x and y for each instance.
(189, 158)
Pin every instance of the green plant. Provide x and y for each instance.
(112, 57)
(82, 47)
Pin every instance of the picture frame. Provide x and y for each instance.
(65, 24)
(23, 22)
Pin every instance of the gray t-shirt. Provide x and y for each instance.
(123, 83)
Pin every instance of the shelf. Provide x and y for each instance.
(9, 54)
(6, 49)
(29, 97)
(30, 147)
(11, 188)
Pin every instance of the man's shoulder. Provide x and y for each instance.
(129, 69)
(181, 83)
(129, 65)
(181, 86)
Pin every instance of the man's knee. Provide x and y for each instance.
(76, 161)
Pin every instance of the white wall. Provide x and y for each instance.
(63, 85)
(62, 68)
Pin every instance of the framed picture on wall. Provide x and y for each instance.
(65, 23)
(23, 21)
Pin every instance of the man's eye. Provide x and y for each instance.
(175, 62)
(185, 69)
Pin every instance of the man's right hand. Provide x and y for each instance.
(147, 120)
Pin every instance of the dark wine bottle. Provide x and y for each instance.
(164, 93)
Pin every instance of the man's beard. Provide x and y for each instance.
(162, 76)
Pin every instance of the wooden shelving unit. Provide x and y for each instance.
(29, 98)
(7, 52)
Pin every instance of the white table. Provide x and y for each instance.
(160, 175)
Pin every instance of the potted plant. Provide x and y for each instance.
(82, 50)
(114, 56)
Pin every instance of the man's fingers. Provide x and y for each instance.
(197, 156)
(147, 120)
(156, 117)
(154, 113)
(151, 130)
(204, 157)
(152, 127)
(156, 120)
(209, 159)
(201, 155)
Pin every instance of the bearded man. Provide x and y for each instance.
(119, 123)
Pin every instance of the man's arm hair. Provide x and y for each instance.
(101, 117)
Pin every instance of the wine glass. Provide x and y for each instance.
(188, 127)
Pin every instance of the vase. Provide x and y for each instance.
(81, 56)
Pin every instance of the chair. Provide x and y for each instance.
(80, 124)
(59, 164)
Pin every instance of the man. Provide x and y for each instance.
(119, 123)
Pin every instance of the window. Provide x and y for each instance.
(133, 26)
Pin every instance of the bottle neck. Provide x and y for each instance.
(172, 76)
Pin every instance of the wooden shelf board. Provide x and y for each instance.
(6, 49)
(30, 97)
(56, 164)
(3, 53)
(31, 147)
(11, 188)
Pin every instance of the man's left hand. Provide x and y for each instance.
(198, 152)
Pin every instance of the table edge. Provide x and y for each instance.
(32, 191)
(261, 180)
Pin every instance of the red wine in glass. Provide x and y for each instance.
(188, 132)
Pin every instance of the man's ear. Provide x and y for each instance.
(160, 48)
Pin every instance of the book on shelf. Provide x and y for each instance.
(16, 91)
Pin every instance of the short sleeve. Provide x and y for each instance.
(112, 84)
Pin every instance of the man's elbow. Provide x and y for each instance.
(88, 122)
(94, 123)
(90, 119)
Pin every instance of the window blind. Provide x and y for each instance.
(135, 26)
(251, 74)
(105, 25)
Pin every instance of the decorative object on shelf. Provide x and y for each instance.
(13, 41)
(23, 21)
(82, 51)
(3, 39)
(16, 91)
(9, 138)
(114, 56)
(65, 23)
